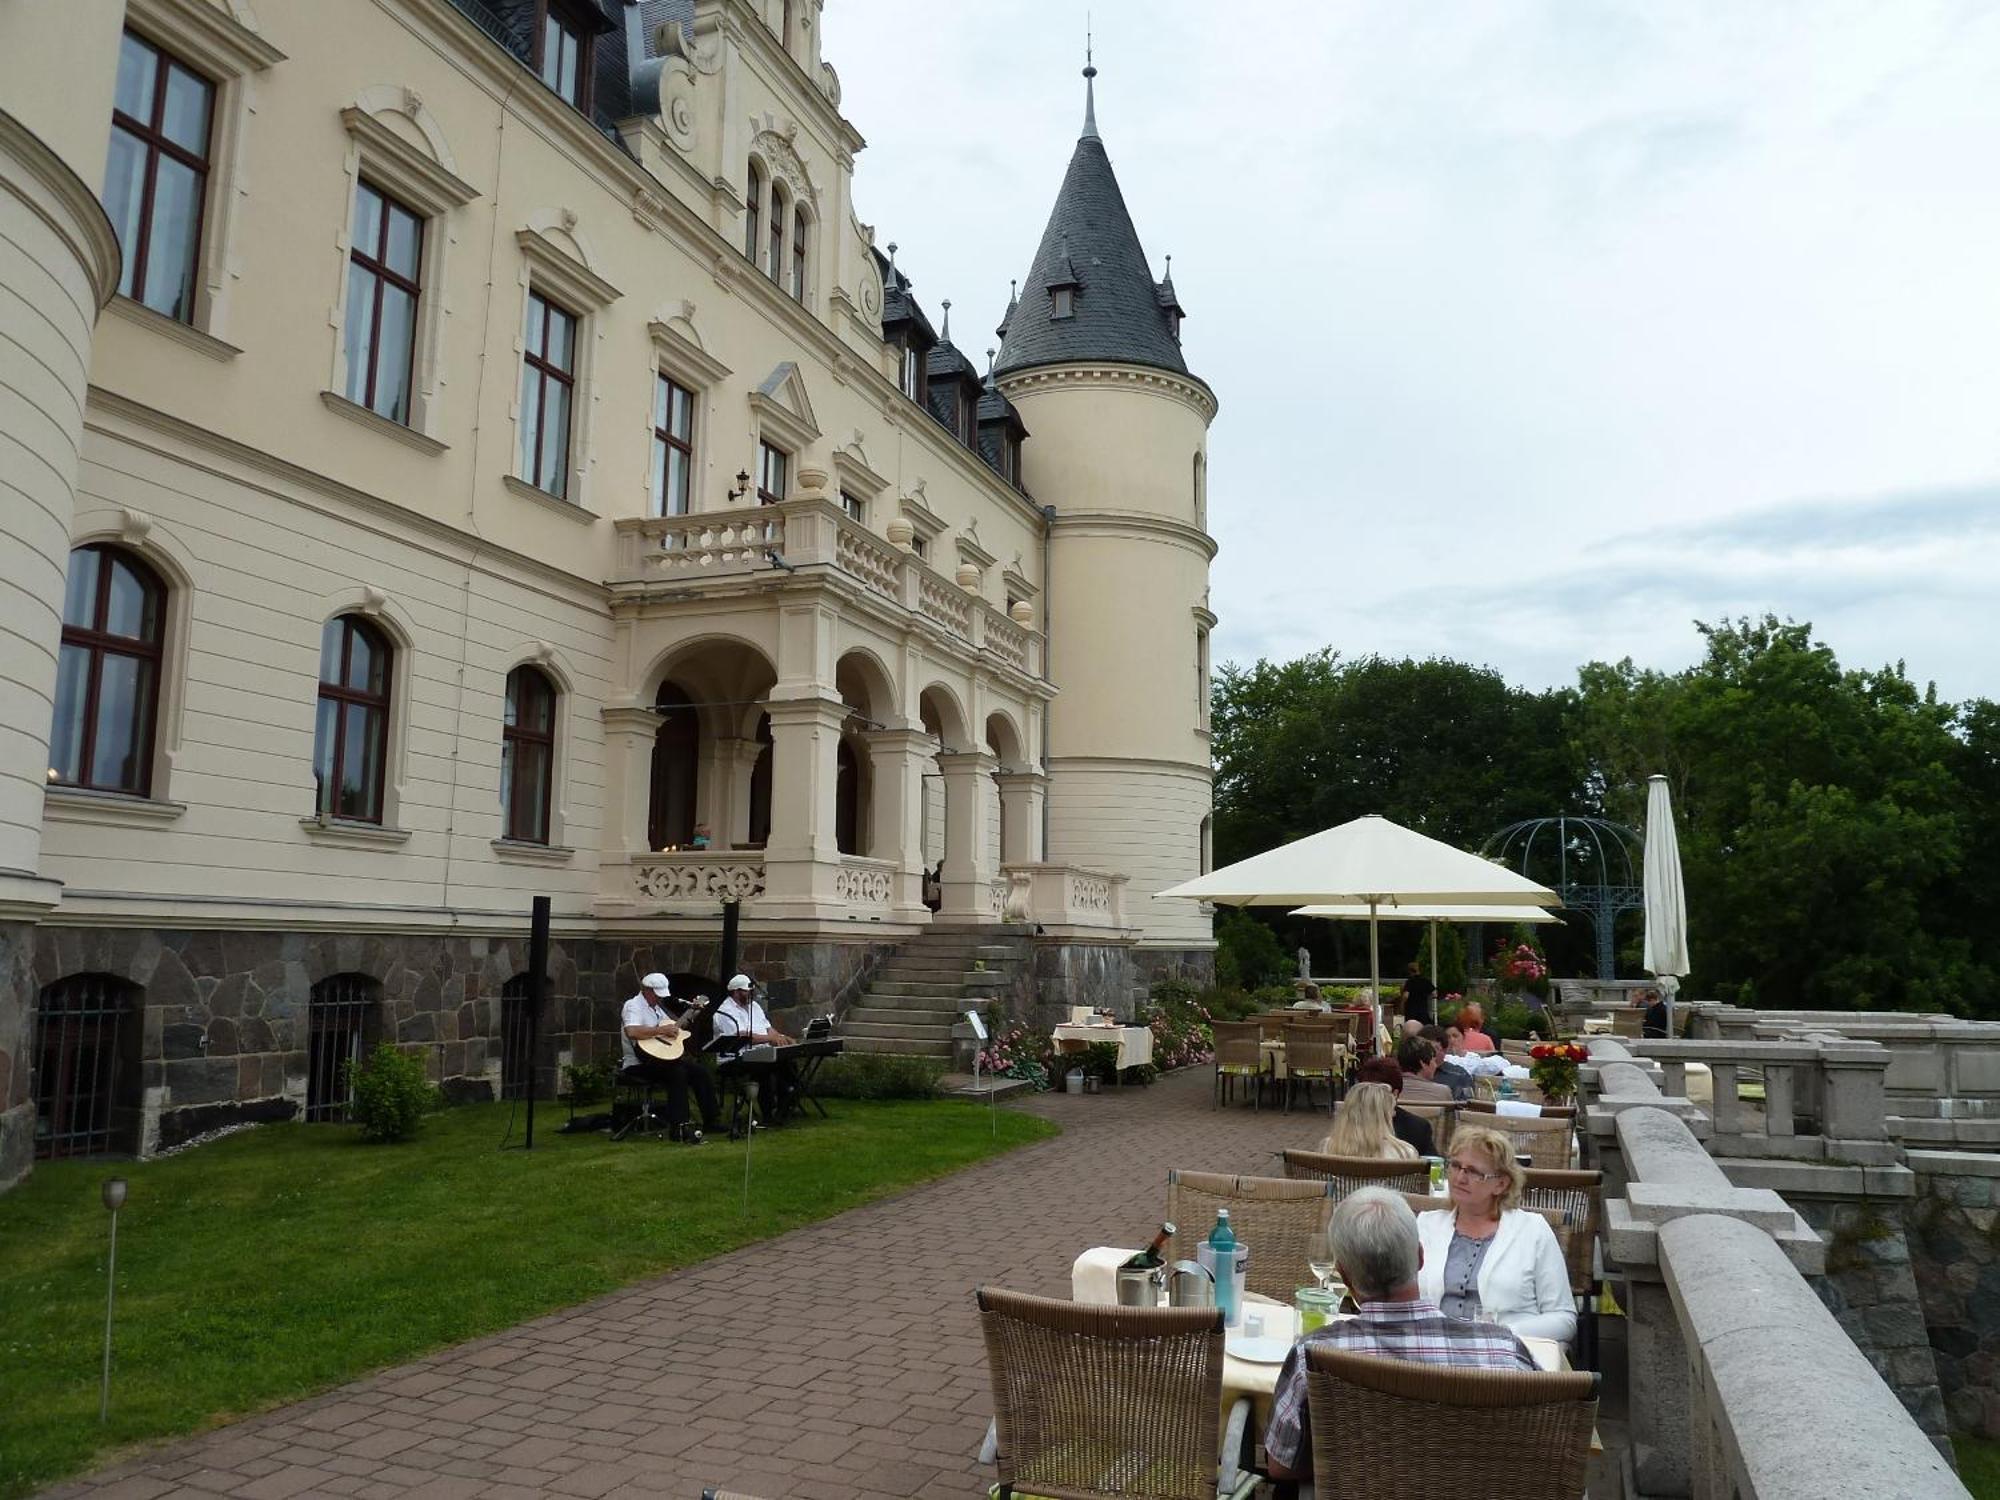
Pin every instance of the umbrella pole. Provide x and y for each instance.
(1374, 965)
(1434, 950)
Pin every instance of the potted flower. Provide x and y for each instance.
(1553, 1066)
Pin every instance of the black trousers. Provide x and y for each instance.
(678, 1078)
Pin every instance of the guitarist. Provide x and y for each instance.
(646, 1017)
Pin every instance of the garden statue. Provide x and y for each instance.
(1305, 963)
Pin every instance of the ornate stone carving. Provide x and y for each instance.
(775, 147)
(699, 879)
(861, 885)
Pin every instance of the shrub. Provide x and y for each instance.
(1247, 953)
(1179, 1019)
(1016, 1052)
(1513, 1020)
(870, 1075)
(391, 1094)
(1100, 1060)
(586, 1083)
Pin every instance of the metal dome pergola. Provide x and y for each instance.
(1592, 863)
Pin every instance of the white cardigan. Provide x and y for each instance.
(1523, 1282)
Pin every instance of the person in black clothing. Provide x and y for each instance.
(1418, 993)
(1654, 1024)
(1408, 1127)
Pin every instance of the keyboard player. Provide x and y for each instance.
(740, 1021)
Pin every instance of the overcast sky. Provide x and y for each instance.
(1540, 330)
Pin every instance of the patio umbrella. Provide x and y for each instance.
(1350, 911)
(1372, 863)
(1665, 896)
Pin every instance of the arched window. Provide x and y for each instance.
(528, 755)
(88, 1029)
(760, 786)
(1201, 490)
(108, 683)
(798, 255)
(774, 267)
(676, 766)
(1207, 840)
(343, 1018)
(351, 736)
(753, 216)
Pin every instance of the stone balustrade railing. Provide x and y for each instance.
(809, 533)
(698, 877)
(1059, 898)
(1742, 1384)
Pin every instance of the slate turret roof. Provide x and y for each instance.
(1118, 311)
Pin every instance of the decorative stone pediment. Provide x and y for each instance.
(784, 409)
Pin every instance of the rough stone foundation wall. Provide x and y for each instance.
(17, 1000)
(1955, 1255)
(1871, 1288)
(1195, 965)
(1065, 972)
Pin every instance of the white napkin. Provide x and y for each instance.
(1093, 1276)
(1519, 1107)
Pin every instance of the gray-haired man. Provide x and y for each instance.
(1375, 1245)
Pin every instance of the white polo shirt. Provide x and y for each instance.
(732, 1019)
(641, 1010)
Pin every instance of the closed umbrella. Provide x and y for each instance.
(1665, 897)
(1372, 863)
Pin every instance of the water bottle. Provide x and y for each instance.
(1506, 1087)
(1222, 1249)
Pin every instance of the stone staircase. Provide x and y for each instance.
(921, 992)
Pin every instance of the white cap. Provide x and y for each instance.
(741, 982)
(657, 983)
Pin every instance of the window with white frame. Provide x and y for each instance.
(673, 446)
(773, 469)
(548, 387)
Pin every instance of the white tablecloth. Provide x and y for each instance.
(1135, 1043)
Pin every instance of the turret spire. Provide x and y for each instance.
(1089, 87)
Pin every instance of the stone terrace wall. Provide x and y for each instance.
(1954, 1228)
(17, 1105)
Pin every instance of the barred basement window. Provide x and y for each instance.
(343, 1017)
(88, 1029)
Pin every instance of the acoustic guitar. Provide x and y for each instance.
(663, 1048)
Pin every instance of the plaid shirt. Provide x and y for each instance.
(1417, 1331)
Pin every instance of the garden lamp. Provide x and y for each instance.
(114, 1199)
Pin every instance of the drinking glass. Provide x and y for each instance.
(1319, 1257)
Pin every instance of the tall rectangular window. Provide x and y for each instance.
(798, 255)
(565, 54)
(383, 267)
(772, 464)
(548, 383)
(912, 380)
(855, 506)
(673, 447)
(156, 177)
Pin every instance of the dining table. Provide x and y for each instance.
(1135, 1043)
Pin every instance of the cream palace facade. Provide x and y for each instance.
(460, 450)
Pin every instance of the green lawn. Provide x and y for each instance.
(1978, 1466)
(281, 1261)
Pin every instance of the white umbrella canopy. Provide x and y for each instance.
(1665, 896)
(1353, 911)
(1371, 862)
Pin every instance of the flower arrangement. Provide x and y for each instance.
(1016, 1053)
(1520, 969)
(1553, 1066)
(1180, 1027)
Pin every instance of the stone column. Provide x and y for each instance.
(1021, 797)
(898, 760)
(803, 853)
(62, 266)
(629, 733)
(735, 763)
(968, 875)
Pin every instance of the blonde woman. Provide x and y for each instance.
(1487, 1259)
(1365, 1125)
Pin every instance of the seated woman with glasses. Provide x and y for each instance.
(1488, 1259)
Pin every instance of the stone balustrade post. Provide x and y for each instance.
(1780, 1110)
(1854, 1106)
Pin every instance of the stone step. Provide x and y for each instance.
(891, 1030)
(900, 1047)
(922, 994)
(884, 1015)
(915, 987)
(895, 973)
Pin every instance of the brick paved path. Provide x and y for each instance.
(838, 1362)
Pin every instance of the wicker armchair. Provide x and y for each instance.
(1312, 1055)
(1273, 1217)
(1535, 1429)
(1579, 1198)
(1545, 1141)
(1239, 1053)
(1344, 1174)
(1442, 1118)
(1099, 1401)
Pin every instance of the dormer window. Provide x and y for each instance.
(1010, 460)
(563, 52)
(1062, 302)
(1174, 323)
(968, 417)
(914, 374)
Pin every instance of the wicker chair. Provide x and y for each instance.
(1442, 1118)
(1097, 1401)
(1312, 1055)
(1239, 1053)
(1579, 1198)
(1345, 1174)
(1535, 1429)
(1545, 1142)
(1274, 1217)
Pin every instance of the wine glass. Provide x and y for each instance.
(1319, 1258)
